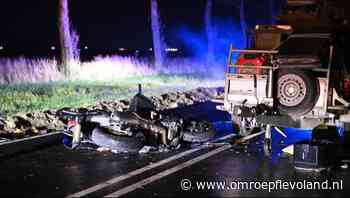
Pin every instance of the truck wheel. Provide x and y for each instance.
(198, 131)
(130, 144)
(297, 91)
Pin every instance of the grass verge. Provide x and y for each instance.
(40, 97)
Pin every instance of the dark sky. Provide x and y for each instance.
(29, 27)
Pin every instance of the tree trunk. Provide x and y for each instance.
(272, 12)
(66, 45)
(243, 24)
(158, 44)
(209, 31)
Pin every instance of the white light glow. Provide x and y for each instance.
(171, 49)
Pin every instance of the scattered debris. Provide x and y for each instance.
(147, 149)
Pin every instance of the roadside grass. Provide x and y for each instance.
(54, 95)
(28, 85)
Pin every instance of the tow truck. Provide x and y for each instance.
(283, 83)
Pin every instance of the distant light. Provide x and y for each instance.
(150, 49)
(53, 48)
(1, 47)
(171, 49)
(86, 47)
(284, 27)
(122, 49)
(274, 27)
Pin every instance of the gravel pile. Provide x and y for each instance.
(29, 124)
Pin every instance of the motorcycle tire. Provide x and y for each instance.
(125, 144)
(198, 131)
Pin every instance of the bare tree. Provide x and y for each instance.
(209, 31)
(243, 23)
(158, 43)
(272, 11)
(66, 43)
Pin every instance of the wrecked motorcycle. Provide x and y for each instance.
(130, 130)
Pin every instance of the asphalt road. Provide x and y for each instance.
(57, 172)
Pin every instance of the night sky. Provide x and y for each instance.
(29, 28)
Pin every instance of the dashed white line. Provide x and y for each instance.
(140, 170)
(165, 173)
(132, 173)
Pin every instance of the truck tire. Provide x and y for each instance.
(198, 131)
(297, 91)
(130, 144)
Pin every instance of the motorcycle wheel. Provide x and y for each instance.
(129, 144)
(198, 131)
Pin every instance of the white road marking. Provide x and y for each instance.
(165, 173)
(222, 138)
(140, 170)
(29, 138)
(131, 174)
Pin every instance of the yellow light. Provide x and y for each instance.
(284, 27)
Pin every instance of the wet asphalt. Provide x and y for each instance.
(54, 171)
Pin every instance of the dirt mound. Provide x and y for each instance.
(29, 124)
